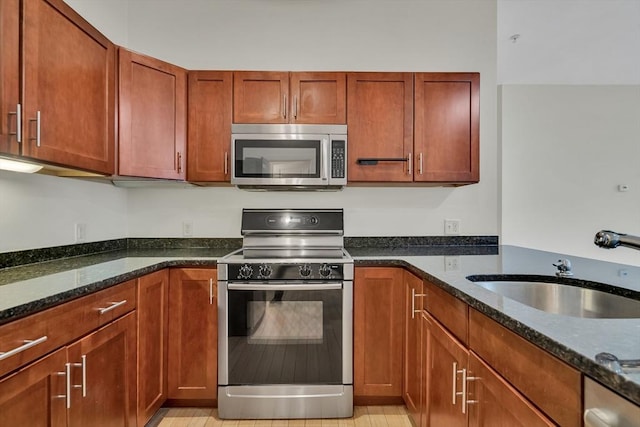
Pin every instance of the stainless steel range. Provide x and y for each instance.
(285, 310)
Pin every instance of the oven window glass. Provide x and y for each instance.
(285, 337)
(277, 158)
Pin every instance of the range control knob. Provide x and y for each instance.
(305, 270)
(325, 270)
(265, 270)
(245, 271)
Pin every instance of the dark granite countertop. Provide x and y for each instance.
(30, 288)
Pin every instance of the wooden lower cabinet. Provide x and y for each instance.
(193, 335)
(494, 402)
(106, 361)
(412, 384)
(35, 395)
(153, 293)
(378, 335)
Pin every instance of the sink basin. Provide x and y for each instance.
(565, 299)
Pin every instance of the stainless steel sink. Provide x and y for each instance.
(565, 299)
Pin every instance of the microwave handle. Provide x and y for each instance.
(325, 173)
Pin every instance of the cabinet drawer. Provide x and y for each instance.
(449, 310)
(546, 381)
(111, 303)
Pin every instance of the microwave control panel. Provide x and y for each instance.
(338, 159)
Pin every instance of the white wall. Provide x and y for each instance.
(41, 211)
(565, 150)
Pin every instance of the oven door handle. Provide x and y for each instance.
(284, 287)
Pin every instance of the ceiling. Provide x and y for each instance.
(569, 42)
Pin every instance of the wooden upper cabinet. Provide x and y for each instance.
(209, 135)
(68, 109)
(447, 112)
(153, 117)
(380, 126)
(283, 97)
(318, 98)
(9, 75)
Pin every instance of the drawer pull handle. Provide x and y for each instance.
(113, 305)
(27, 344)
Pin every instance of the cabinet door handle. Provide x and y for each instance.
(37, 120)
(454, 393)
(27, 345)
(67, 395)
(83, 365)
(113, 306)
(18, 114)
(284, 106)
(413, 302)
(211, 291)
(179, 157)
(410, 163)
(226, 163)
(469, 379)
(420, 163)
(295, 107)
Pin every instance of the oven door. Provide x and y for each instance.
(280, 159)
(293, 334)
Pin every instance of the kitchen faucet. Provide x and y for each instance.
(610, 239)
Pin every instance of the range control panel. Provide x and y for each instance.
(285, 271)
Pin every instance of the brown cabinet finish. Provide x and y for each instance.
(494, 402)
(449, 310)
(447, 358)
(152, 117)
(209, 134)
(9, 75)
(548, 382)
(153, 321)
(109, 359)
(35, 395)
(193, 335)
(412, 384)
(447, 113)
(318, 98)
(69, 81)
(283, 97)
(260, 96)
(378, 334)
(380, 125)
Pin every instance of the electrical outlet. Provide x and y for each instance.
(451, 226)
(81, 232)
(187, 229)
(452, 263)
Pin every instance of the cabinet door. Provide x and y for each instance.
(412, 387)
(447, 365)
(210, 109)
(9, 75)
(380, 126)
(260, 97)
(35, 396)
(427, 327)
(153, 117)
(318, 98)
(193, 334)
(378, 313)
(153, 291)
(447, 109)
(494, 402)
(107, 396)
(69, 83)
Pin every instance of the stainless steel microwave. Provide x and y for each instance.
(283, 156)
